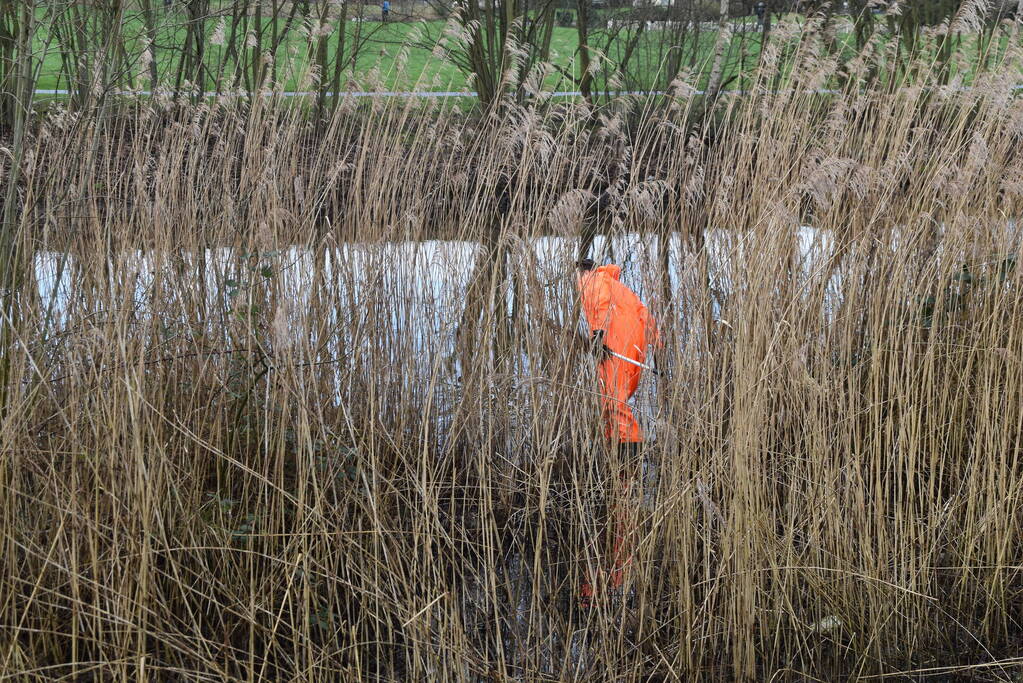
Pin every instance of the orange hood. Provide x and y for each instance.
(611, 270)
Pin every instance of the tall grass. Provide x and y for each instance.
(261, 427)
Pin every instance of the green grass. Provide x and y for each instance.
(401, 56)
(393, 55)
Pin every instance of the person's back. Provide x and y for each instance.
(609, 305)
(620, 323)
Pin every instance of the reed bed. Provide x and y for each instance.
(292, 399)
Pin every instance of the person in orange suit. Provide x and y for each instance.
(618, 322)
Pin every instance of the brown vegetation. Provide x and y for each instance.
(240, 447)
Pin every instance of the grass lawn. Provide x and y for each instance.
(393, 55)
(400, 56)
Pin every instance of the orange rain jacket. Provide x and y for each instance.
(628, 327)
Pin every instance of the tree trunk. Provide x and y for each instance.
(717, 70)
(22, 91)
(484, 299)
(149, 18)
(582, 21)
(9, 33)
(11, 271)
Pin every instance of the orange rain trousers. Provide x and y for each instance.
(618, 382)
(625, 525)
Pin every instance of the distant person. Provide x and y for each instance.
(620, 329)
(385, 9)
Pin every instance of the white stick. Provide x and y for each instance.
(634, 362)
